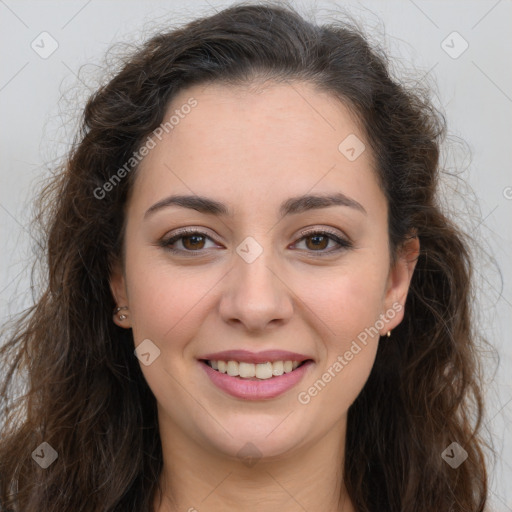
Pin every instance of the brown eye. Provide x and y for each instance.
(317, 242)
(190, 242)
(193, 242)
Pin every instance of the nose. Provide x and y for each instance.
(255, 294)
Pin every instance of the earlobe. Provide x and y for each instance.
(118, 288)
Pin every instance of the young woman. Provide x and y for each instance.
(254, 300)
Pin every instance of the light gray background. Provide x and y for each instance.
(41, 97)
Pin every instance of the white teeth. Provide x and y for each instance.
(249, 370)
(264, 370)
(246, 370)
(232, 368)
(278, 368)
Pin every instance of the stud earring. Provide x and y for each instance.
(388, 334)
(121, 316)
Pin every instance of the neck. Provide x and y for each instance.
(194, 478)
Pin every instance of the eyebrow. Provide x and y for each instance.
(292, 206)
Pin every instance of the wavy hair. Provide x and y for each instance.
(85, 393)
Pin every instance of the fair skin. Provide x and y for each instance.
(252, 151)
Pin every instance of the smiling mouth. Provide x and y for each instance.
(251, 371)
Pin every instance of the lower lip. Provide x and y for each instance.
(256, 389)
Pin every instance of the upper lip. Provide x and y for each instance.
(245, 356)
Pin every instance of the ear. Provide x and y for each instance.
(118, 288)
(399, 279)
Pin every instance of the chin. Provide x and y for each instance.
(254, 439)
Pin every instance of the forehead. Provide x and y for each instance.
(254, 140)
(228, 115)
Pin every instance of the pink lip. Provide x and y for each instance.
(256, 389)
(245, 356)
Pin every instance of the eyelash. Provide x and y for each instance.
(343, 243)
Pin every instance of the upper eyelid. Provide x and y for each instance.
(328, 230)
(303, 232)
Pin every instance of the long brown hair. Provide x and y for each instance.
(85, 393)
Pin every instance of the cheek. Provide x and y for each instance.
(342, 379)
(346, 308)
(346, 299)
(165, 299)
(347, 359)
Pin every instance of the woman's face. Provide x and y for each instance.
(257, 278)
